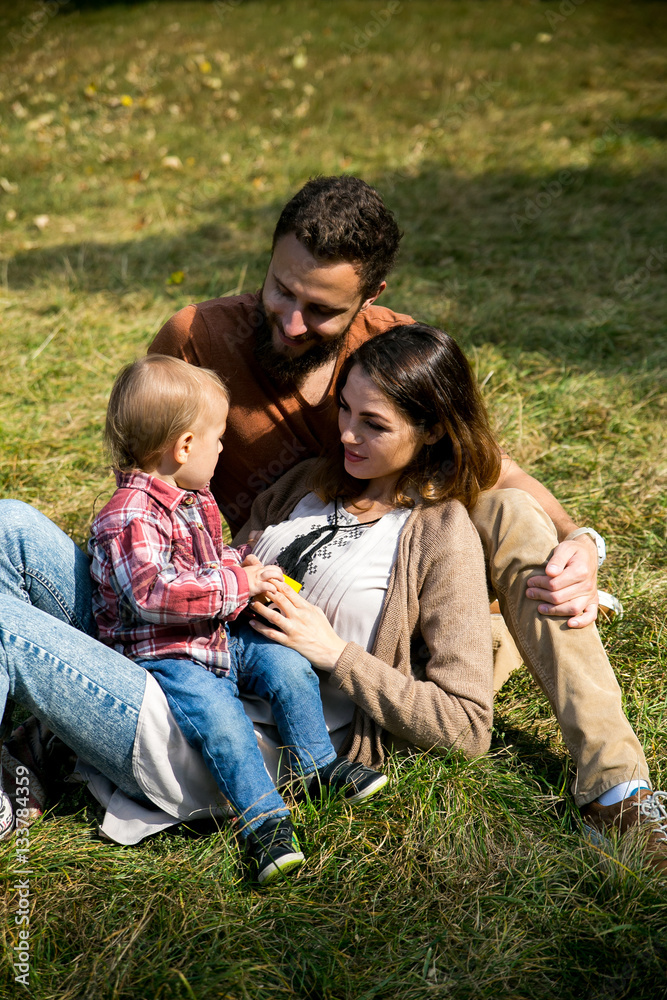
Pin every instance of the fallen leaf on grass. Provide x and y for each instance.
(40, 121)
(41, 221)
(172, 162)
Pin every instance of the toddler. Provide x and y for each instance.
(166, 588)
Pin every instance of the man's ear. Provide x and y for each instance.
(182, 446)
(369, 302)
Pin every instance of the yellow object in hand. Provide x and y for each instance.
(292, 583)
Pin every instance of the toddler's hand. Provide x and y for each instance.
(261, 579)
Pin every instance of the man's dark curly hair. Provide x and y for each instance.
(344, 219)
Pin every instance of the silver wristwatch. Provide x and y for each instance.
(598, 539)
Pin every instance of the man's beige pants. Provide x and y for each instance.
(570, 665)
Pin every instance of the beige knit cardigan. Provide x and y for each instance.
(428, 682)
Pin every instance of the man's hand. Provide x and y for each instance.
(569, 585)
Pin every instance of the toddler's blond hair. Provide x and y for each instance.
(153, 401)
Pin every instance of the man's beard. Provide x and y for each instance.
(285, 369)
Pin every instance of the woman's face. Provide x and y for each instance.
(379, 441)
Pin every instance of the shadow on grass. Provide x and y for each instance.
(649, 128)
(67, 6)
(570, 264)
(533, 755)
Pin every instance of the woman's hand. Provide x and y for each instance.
(300, 626)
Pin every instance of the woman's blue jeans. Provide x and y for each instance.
(210, 715)
(91, 696)
(49, 661)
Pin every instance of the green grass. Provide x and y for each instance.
(528, 175)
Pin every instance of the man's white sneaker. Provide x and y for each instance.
(6, 815)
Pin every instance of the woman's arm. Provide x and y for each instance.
(440, 693)
(445, 699)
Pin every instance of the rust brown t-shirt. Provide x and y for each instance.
(269, 430)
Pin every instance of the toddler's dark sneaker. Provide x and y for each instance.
(273, 850)
(355, 782)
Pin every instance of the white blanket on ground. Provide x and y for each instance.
(173, 775)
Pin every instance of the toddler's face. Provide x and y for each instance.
(205, 447)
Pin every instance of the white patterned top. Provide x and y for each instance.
(347, 576)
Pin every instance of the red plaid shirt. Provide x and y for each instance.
(164, 579)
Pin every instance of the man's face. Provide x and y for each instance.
(309, 307)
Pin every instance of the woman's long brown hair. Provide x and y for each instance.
(426, 375)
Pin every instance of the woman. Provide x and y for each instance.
(391, 557)
(379, 537)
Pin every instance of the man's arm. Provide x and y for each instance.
(568, 587)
